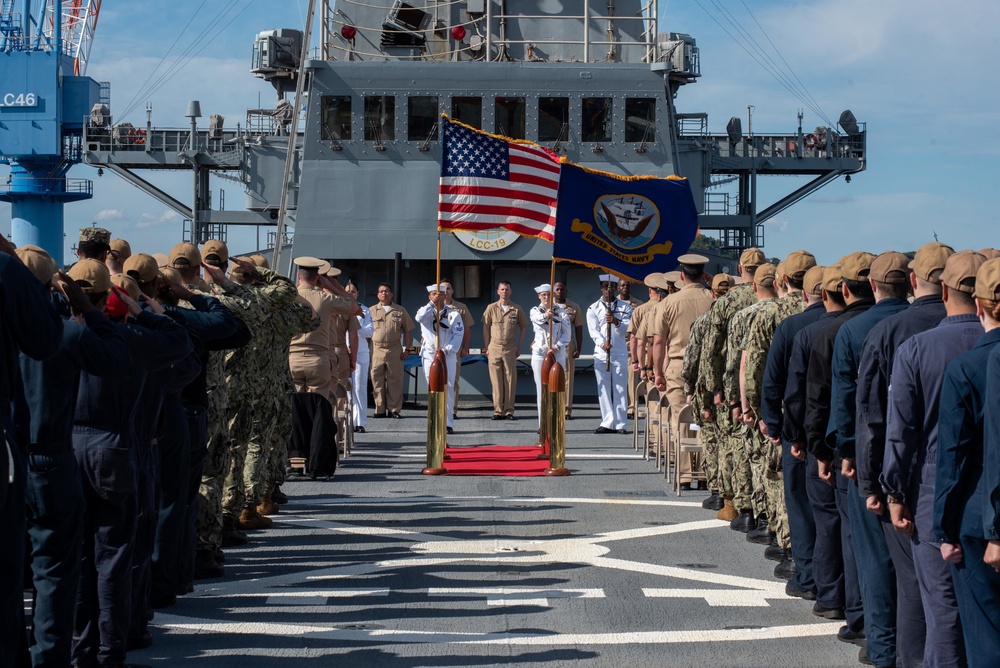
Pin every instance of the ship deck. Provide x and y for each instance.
(385, 567)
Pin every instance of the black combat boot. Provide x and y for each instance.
(714, 502)
(743, 522)
(786, 569)
(760, 534)
(774, 552)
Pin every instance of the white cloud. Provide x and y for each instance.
(148, 220)
(109, 214)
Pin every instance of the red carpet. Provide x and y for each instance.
(511, 460)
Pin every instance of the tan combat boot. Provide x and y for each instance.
(267, 506)
(251, 519)
(728, 511)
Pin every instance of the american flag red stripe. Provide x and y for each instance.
(487, 182)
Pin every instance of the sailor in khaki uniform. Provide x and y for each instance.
(576, 317)
(390, 339)
(639, 352)
(625, 294)
(343, 337)
(674, 319)
(504, 323)
(309, 354)
(467, 322)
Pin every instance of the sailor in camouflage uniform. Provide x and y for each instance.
(777, 533)
(712, 367)
(246, 371)
(701, 398)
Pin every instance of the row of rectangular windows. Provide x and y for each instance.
(509, 117)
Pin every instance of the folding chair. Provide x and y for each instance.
(640, 412)
(687, 440)
(345, 416)
(666, 432)
(651, 423)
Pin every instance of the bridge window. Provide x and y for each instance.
(596, 119)
(640, 119)
(380, 118)
(422, 121)
(468, 110)
(336, 117)
(509, 117)
(553, 116)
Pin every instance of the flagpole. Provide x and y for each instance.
(437, 288)
(552, 298)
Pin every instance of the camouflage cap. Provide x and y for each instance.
(128, 284)
(989, 253)
(812, 282)
(260, 261)
(856, 266)
(929, 261)
(38, 262)
(779, 271)
(988, 280)
(890, 267)
(91, 275)
(95, 235)
(721, 282)
(751, 259)
(798, 263)
(237, 268)
(215, 253)
(184, 256)
(765, 275)
(833, 277)
(961, 269)
(122, 247)
(142, 267)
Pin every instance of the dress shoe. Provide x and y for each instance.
(685, 487)
(267, 506)
(786, 569)
(728, 511)
(450, 430)
(158, 602)
(845, 634)
(774, 552)
(454, 416)
(714, 502)
(278, 496)
(361, 430)
(395, 415)
(742, 522)
(830, 613)
(496, 416)
(379, 415)
(604, 430)
(139, 642)
(251, 520)
(220, 556)
(206, 567)
(792, 590)
(569, 416)
(760, 533)
(509, 416)
(185, 588)
(702, 485)
(630, 416)
(622, 431)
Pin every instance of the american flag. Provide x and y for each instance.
(488, 183)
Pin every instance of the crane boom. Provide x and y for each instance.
(79, 21)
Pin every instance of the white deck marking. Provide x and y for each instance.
(734, 598)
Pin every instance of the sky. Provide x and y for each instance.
(922, 75)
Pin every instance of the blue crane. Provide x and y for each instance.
(45, 101)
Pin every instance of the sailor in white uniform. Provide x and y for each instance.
(431, 315)
(541, 316)
(607, 320)
(359, 381)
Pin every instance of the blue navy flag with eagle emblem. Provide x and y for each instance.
(631, 226)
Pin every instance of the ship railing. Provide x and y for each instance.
(718, 204)
(692, 125)
(125, 137)
(36, 185)
(806, 145)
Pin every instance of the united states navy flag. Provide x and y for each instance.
(629, 225)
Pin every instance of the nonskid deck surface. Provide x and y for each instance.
(385, 567)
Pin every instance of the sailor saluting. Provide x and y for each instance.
(433, 315)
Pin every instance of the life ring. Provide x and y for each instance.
(811, 140)
(138, 136)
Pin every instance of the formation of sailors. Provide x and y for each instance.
(850, 423)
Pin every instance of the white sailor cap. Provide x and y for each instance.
(607, 278)
(544, 287)
(434, 286)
